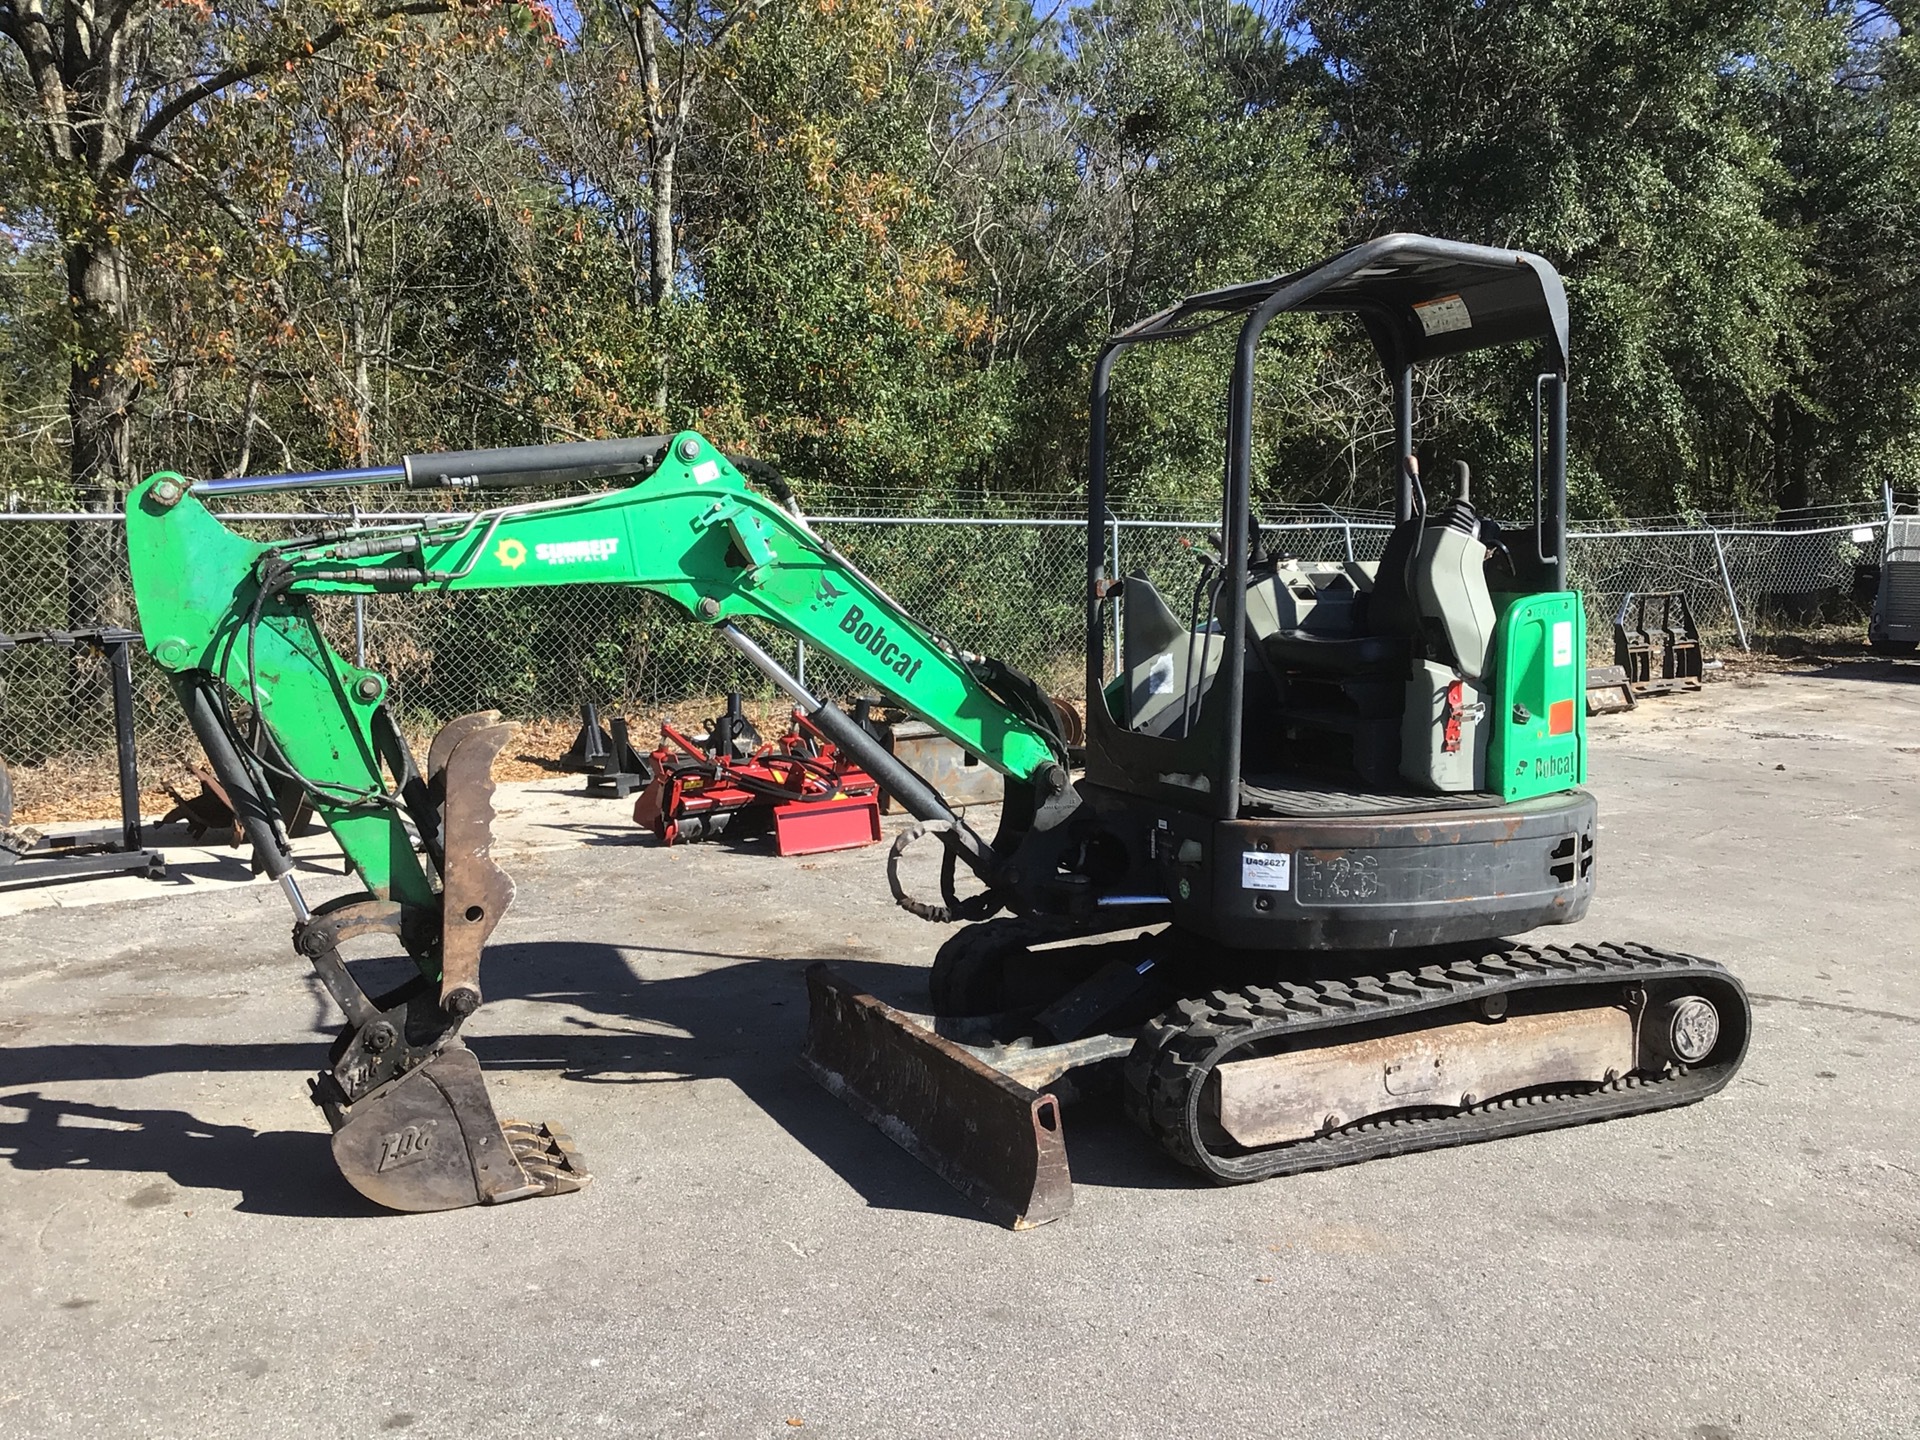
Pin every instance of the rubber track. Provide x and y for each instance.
(1167, 1071)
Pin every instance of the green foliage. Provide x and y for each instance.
(898, 232)
(1640, 146)
(31, 377)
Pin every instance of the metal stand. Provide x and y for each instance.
(30, 857)
(1678, 640)
(605, 756)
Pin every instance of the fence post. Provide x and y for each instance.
(1346, 529)
(359, 601)
(1726, 578)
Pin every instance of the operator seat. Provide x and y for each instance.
(1158, 660)
(1339, 697)
(1349, 683)
(1382, 641)
(1392, 610)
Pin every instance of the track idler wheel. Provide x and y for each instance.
(430, 1140)
(989, 967)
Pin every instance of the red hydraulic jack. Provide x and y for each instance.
(727, 782)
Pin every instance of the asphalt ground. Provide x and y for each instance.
(752, 1260)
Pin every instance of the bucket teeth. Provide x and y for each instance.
(548, 1155)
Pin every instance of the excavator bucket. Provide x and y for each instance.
(413, 1126)
(990, 1137)
(431, 1141)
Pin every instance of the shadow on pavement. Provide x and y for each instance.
(1866, 668)
(275, 1172)
(742, 1021)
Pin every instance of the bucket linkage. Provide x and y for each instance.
(414, 1128)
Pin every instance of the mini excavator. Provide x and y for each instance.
(1274, 904)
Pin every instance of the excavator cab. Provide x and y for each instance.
(1300, 706)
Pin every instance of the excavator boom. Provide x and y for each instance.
(693, 530)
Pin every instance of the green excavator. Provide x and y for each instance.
(1270, 896)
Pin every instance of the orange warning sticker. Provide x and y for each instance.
(1560, 718)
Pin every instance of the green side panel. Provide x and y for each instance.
(1540, 649)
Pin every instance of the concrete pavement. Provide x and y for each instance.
(752, 1260)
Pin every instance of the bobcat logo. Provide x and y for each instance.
(826, 593)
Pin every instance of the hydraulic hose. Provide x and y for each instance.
(920, 799)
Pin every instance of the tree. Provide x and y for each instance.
(1629, 142)
(1143, 150)
(1848, 123)
(625, 112)
(96, 90)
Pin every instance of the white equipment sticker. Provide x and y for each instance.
(1562, 643)
(1261, 871)
(573, 552)
(1437, 317)
(706, 470)
(1160, 674)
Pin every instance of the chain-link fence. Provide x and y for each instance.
(1012, 588)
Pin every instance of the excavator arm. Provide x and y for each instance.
(232, 618)
(692, 530)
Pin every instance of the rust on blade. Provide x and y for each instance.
(991, 1138)
(450, 736)
(474, 891)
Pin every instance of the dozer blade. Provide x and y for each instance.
(991, 1138)
(429, 1140)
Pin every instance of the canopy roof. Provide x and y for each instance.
(1420, 298)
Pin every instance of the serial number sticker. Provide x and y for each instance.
(1562, 643)
(1262, 871)
(1339, 876)
(1437, 317)
(705, 471)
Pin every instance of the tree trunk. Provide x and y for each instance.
(352, 277)
(666, 124)
(661, 256)
(249, 417)
(100, 395)
(1790, 488)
